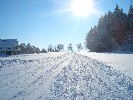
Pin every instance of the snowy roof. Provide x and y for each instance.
(8, 42)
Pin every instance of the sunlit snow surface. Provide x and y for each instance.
(119, 61)
(67, 76)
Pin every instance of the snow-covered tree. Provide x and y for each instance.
(60, 47)
(79, 46)
(22, 48)
(130, 16)
(44, 51)
(50, 48)
(37, 50)
(70, 47)
(111, 30)
(29, 48)
(56, 49)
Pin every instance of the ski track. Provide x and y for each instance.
(70, 76)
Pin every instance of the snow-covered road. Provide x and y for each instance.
(66, 76)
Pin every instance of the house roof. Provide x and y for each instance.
(8, 42)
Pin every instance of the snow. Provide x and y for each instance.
(31, 56)
(120, 61)
(66, 76)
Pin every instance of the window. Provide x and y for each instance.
(3, 40)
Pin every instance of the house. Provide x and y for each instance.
(8, 46)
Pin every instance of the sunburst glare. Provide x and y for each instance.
(81, 7)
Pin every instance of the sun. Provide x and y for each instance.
(81, 7)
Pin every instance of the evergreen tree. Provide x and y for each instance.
(111, 31)
(44, 51)
(79, 46)
(29, 48)
(130, 16)
(37, 50)
(60, 47)
(50, 48)
(22, 48)
(70, 47)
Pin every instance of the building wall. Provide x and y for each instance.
(8, 46)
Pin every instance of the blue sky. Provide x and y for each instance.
(44, 22)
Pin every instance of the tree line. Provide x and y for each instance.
(29, 49)
(114, 30)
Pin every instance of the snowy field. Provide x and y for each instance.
(119, 61)
(67, 76)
